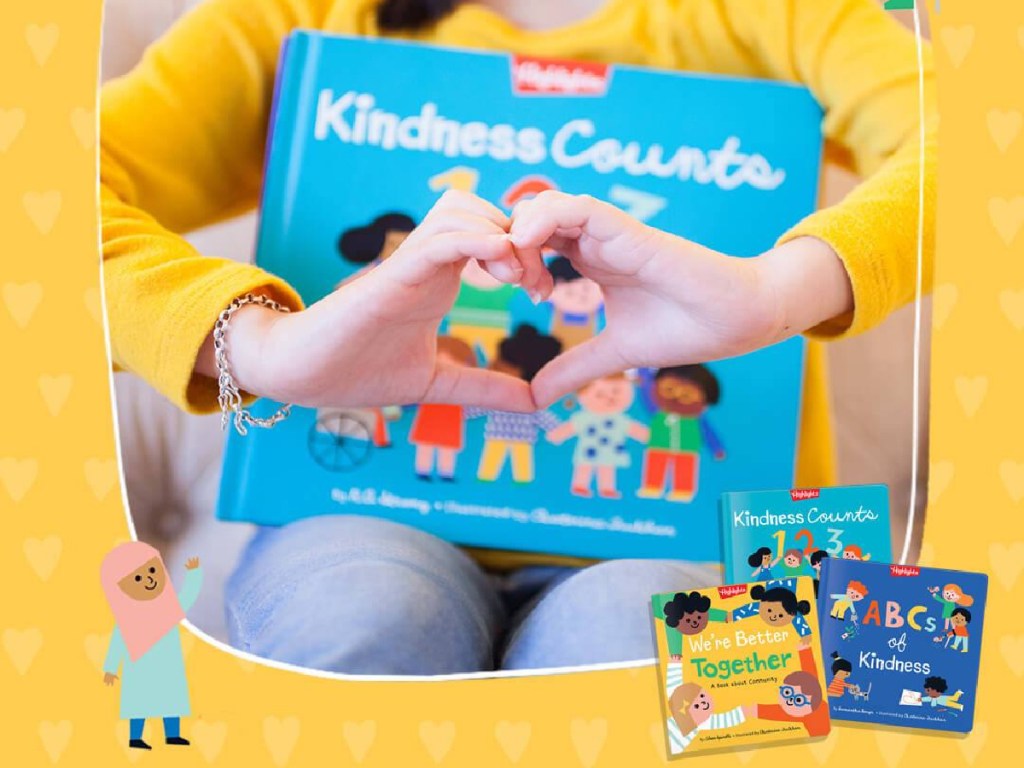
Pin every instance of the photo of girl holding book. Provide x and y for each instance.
(182, 138)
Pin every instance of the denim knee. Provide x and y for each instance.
(600, 614)
(362, 595)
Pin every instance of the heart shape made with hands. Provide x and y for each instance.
(667, 301)
(374, 341)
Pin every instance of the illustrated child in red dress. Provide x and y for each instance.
(438, 431)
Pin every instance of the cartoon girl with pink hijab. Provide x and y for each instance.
(147, 611)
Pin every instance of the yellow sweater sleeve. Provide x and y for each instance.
(862, 66)
(181, 146)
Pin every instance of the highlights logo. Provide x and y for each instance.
(554, 76)
(899, 5)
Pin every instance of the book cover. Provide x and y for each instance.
(902, 643)
(785, 533)
(357, 156)
(740, 665)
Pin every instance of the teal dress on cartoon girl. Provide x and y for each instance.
(154, 685)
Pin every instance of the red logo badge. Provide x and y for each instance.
(801, 494)
(732, 590)
(904, 570)
(539, 77)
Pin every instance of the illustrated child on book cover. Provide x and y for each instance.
(846, 601)
(957, 632)
(739, 679)
(576, 301)
(841, 671)
(679, 430)
(438, 430)
(602, 430)
(895, 639)
(950, 597)
(776, 603)
(514, 435)
(800, 698)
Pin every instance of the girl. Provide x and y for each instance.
(841, 671)
(692, 711)
(777, 605)
(950, 598)
(182, 140)
(145, 638)
(761, 561)
(602, 428)
(439, 428)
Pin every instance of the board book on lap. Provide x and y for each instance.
(770, 534)
(366, 134)
(739, 666)
(902, 643)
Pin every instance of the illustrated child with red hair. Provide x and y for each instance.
(950, 597)
(855, 592)
(853, 552)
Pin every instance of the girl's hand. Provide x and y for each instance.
(669, 301)
(373, 341)
(192, 563)
(109, 678)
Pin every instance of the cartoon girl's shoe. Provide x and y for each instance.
(649, 493)
(683, 497)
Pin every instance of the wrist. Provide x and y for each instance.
(249, 361)
(807, 284)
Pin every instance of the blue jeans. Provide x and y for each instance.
(361, 595)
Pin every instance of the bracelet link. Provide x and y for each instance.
(229, 397)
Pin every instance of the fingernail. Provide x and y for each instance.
(535, 296)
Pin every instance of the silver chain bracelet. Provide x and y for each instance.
(229, 397)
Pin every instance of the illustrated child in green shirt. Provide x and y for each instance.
(687, 614)
(679, 431)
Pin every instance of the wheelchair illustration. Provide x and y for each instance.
(341, 440)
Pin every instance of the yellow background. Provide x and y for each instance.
(62, 510)
(724, 695)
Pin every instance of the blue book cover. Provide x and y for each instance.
(366, 134)
(902, 644)
(787, 533)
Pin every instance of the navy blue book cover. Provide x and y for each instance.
(901, 644)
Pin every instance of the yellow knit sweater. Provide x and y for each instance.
(182, 139)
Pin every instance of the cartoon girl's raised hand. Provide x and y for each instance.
(373, 341)
(669, 301)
